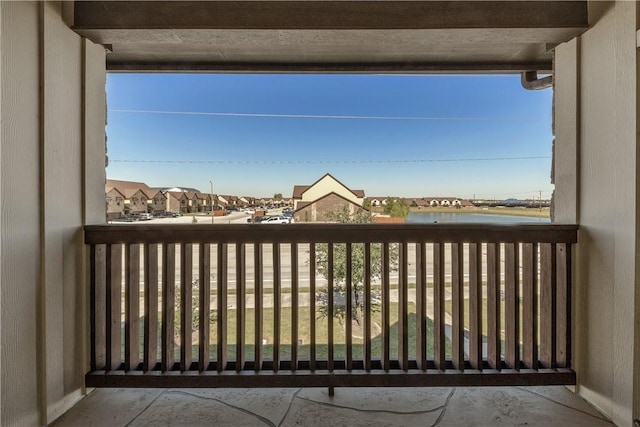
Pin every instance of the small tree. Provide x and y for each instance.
(195, 307)
(396, 208)
(339, 284)
(277, 196)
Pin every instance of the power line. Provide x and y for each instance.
(272, 162)
(333, 117)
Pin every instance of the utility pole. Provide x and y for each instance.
(211, 182)
(540, 200)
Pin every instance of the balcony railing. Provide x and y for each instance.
(268, 306)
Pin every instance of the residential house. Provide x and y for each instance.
(186, 202)
(135, 201)
(228, 201)
(377, 201)
(158, 203)
(199, 202)
(55, 56)
(416, 203)
(246, 201)
(115, 203)
(316, 202)
(174, 201)
(222, 201)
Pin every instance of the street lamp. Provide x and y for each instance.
(211, 182)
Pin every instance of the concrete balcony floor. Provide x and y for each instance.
(462, 406)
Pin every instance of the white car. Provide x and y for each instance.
(277, 220)
(249, 211)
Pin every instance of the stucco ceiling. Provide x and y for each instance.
(334, 36)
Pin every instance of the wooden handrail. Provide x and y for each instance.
(330, 233)
(164, 286)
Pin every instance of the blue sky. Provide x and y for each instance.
(404, 135)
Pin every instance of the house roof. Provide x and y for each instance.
(129, 192)
(175, 194)
(127, 185)
(155, 192)
(110, 189)
(299, 190)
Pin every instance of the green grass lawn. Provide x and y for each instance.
(304, 321)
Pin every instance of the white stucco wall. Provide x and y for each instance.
(604, 116)
(51, 163)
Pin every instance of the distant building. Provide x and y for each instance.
(315, 202)
(135, 201)
(115, 203)
(158, 203)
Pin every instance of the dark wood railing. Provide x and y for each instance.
(251, 305)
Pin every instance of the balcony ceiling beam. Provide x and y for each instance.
(328, 15)
(338, 36)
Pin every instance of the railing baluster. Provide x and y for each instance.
(205, 306)
(438, 306)
(563, 350)
(348, 307)
(532, 327)
(421, 306)
(114, 306)
(312, 306)
(457, 305)
(241, 296)
(168, 304)
(186, 305)
(132, 308)
(99, 269)
(151, 284)
(386, 302)
(277, 305)
(512, 303)
(222, 265)
(367, 306)
(294, 306)
(548, 305)
(529, 305)
(403, 311)
(493, 305)
(330, 307)
(475, 305)
(258, 303)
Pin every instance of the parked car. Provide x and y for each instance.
(277, 220)
(145, 216)
(256, 219)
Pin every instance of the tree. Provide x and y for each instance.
(396, 208)
(357, 270)
(277, 196)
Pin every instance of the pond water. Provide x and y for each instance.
(442, 217)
